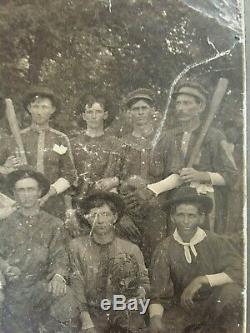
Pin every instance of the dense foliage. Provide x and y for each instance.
(112, 46)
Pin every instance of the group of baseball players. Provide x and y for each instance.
(135, 214)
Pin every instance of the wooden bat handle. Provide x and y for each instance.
(218, 95)
(15, 130)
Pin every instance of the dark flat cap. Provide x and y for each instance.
(27, 172)
(40, 91)
(140, 93)
(187, 194)
(85, 204)
(192, 88)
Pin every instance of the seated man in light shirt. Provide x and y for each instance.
(196, 276)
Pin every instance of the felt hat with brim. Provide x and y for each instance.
(40, 91)
(187, 194)
(192, 89)
(85, 204)
(23, 173)
(140, 93)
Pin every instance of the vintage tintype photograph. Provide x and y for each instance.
(122, 166)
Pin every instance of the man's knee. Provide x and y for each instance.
(66, 307)
(229, 298)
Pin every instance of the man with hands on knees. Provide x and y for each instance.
(33, 257)
(196, 276)
(105, 266)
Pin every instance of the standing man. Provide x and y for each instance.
(105, 265)
(196, 275)
(47, 150)
(140, 158)
(35, 259)
(144, 164)
(98, 156)
(214, 169)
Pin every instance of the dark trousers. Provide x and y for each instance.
(221, 312)
(118, 321)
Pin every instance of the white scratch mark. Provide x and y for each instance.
(177, 79)
(110, 6)
(212, 44)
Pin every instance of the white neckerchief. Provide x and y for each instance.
(197, 238)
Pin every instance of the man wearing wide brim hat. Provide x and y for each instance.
(41, 91)
(93, 256)
(213, 170)
(36, 265)
(196, 275)
(27, 172)
(47, 150)
(86, 203)
(186, 194)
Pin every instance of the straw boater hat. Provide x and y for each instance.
(189, 194)
(40, 91)
(192, 88)
(23, 173)
(85, 203)
(140, 93)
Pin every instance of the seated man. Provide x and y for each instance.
(105, 265)
(196, 275)
(35, 264)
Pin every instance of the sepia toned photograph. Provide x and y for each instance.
(122, 166)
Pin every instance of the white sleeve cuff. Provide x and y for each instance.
(86, 320)
(156, 310)
(217, 179)
(166, 184)
(61, 185)
(218, 279)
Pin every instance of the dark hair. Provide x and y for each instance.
(198, 205)
(96, 203)
(87, 99)
(51, 98)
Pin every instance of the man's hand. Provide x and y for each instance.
(144, 194)
(189, 175)
(57, 286)
(156, 324)
(12, 273)
(46, 197)
(106, 184)
(189, 292)
(13, 162)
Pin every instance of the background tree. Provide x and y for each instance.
(113, 46)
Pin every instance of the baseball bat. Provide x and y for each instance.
(15, 130)
(218, 95)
